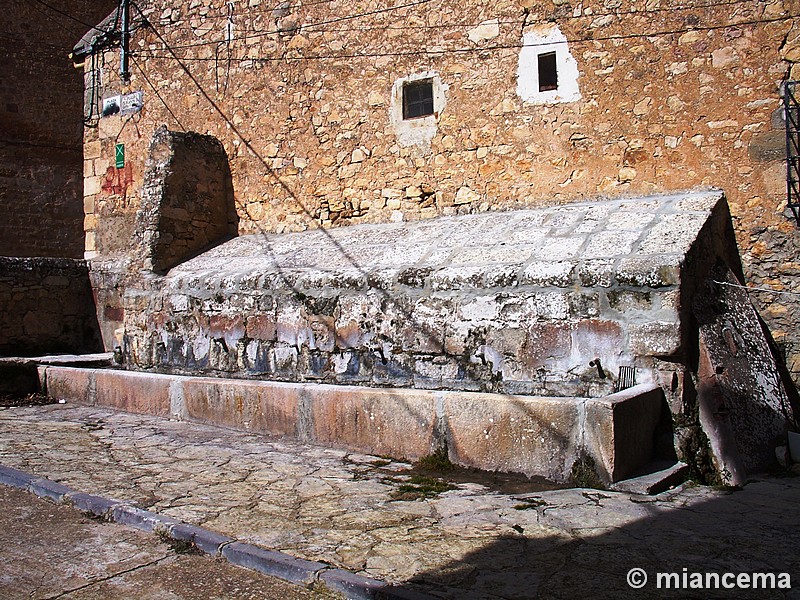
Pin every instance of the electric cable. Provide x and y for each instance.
(470, 25)
(755, 288)
(156, 92)
(330, 21)
(494, 47)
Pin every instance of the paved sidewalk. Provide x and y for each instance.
(49, 551)
(338, 507)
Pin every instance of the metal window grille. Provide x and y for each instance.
(792, 116)
(418, 99)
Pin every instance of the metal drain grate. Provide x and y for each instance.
(627, 378)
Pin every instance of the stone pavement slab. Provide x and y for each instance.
(337, 507)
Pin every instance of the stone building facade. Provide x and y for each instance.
(521, 104)
(41, 204)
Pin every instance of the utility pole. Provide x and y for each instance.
(125, 41)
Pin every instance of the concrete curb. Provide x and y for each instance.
(206, 541)
(96, 505)
(272, 563)
(269, 562)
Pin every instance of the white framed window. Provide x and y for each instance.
(547, 72)
(417, 102)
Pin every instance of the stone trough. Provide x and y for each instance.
(523, 434)
(520, 341)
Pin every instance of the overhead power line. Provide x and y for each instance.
(472, 24)
(317, 24)
(479, 49)
(313, 27)
(755, 288)
(156, 92)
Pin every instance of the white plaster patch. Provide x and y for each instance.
(491, 356)
(488, 30)
(543, 39)
(421, 130)
(341, 362)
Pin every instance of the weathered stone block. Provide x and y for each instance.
(673, 233)
(76, 385)
(655, 339)
(133, 392)
(744, 407)
(548, 273)
(247, 405)
(379, 421)
(620, 428)
(545, 342)
(648, 272)
(768, 146)
(530, 435)
(261, 327)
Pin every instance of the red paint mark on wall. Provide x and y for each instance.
(117, 181)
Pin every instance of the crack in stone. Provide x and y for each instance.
(33, 592)
(94, 582)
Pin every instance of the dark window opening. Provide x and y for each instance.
(548, 74)
(418, 99)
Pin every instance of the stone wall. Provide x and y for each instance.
(46, 306)
(304, 100)
(41, 119)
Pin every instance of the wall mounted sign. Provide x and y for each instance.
(111, 106)
(123, 105)
(131, 103)
(119, 156)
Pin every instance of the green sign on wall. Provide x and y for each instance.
(119, 155)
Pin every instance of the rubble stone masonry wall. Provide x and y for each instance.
(41, 205)
(46, 307)
(668, 96)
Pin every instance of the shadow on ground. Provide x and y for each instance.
(753, 530)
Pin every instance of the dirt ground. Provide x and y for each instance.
(49, 551)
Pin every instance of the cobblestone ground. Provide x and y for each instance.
(335, 506)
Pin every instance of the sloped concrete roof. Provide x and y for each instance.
(636, 242)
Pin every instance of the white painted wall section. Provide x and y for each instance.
(542, 39)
